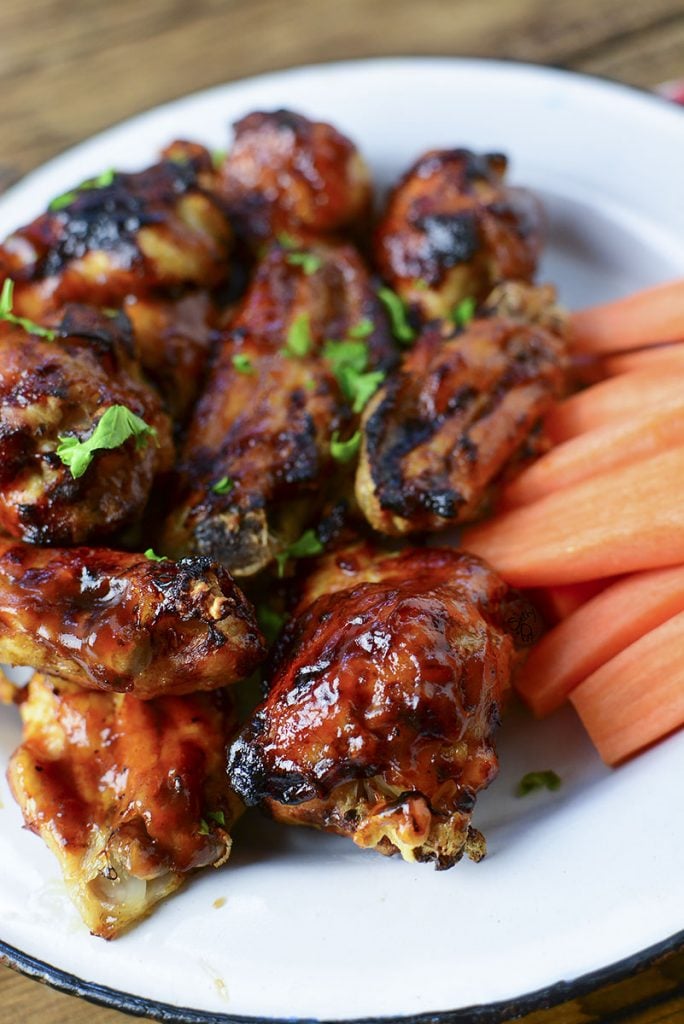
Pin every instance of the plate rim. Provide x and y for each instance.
(548, 996)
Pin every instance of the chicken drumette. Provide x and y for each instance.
(384, 695)
(54, 394)
(131, 796)
(452, 229)
(459, 411)
(112, 620)
(152, 241)
(307, 348)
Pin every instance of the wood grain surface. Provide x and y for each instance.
(69, 68)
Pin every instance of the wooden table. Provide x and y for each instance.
(69, 68)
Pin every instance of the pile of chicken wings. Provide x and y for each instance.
(231, 385)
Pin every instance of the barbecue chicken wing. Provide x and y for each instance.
(54, 393)
(143, 240)
(463, 405)
(385, 692)
(112, 620)
(130, 796)
(285, 173)
(258, 452)
(452, 229)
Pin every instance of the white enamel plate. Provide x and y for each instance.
(577, 881)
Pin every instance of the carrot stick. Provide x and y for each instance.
(596, 632)
(597, 451)
(628, 519)
(645, 318)
(556, 603)
(663, 359)
(637, 697)
(617, 398)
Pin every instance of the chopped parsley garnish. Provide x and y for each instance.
(154, 557)
(538, 780)
(361, 329)
(203, 829)
(270, 622)
(464, 312)
(217, 157)
(308, 261)
(223, 486)
(67, 198)
(6, 314)
(299, 341)
(401, 328)
(218, 817)
(287, 241)
(310, 384)
(113, 429)
(348, 361)
(345, 451)
(242, 363)
(305, 546)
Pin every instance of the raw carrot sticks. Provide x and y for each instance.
(644, 318)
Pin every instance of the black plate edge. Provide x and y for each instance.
(493, 1013)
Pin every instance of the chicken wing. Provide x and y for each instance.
(285, 173)
(384, 694)
(112, 620)
(140, 239)
(130, 796)
(463, 405)
(307, 348)
(452, 229)
(54, 394)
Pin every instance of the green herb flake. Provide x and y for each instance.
(345, 451)
(223, 486)
(348, 361)
(538, 780)
(286, 241)
(66, 199)
(361, 329)
(113, 429)
(396, 310)
(154, 557)
(217, 157)
(299, 341)
(308, 261)
(243, 364)
(305, 546)
(270, 622)
(218, 817)
(310, 384)
(203, 829)
(6, 314)
(464, 312)
(343, 355)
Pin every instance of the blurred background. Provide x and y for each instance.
(69, 68)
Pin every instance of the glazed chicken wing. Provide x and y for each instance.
(130, 796)
(143, 240)
(452, 229)
(258, 450)
(285, 173)
(463, 405)
(54, 394)
(112, 620)
(384, 695)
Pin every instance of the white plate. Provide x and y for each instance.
(575, 880)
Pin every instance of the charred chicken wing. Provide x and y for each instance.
(130, 796)
(384, 695)
(285, 173)
(65, 475)
(112, 620)
(453, 229)
(143, 240)
(464, 403)
(307, 348)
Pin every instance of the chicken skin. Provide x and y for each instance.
(453, 229)
(385, 691)
(258, 451)
(130, 796)
(111, 620)
(285, 173)
(462, 407)
(144, 240)
(53, 396)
